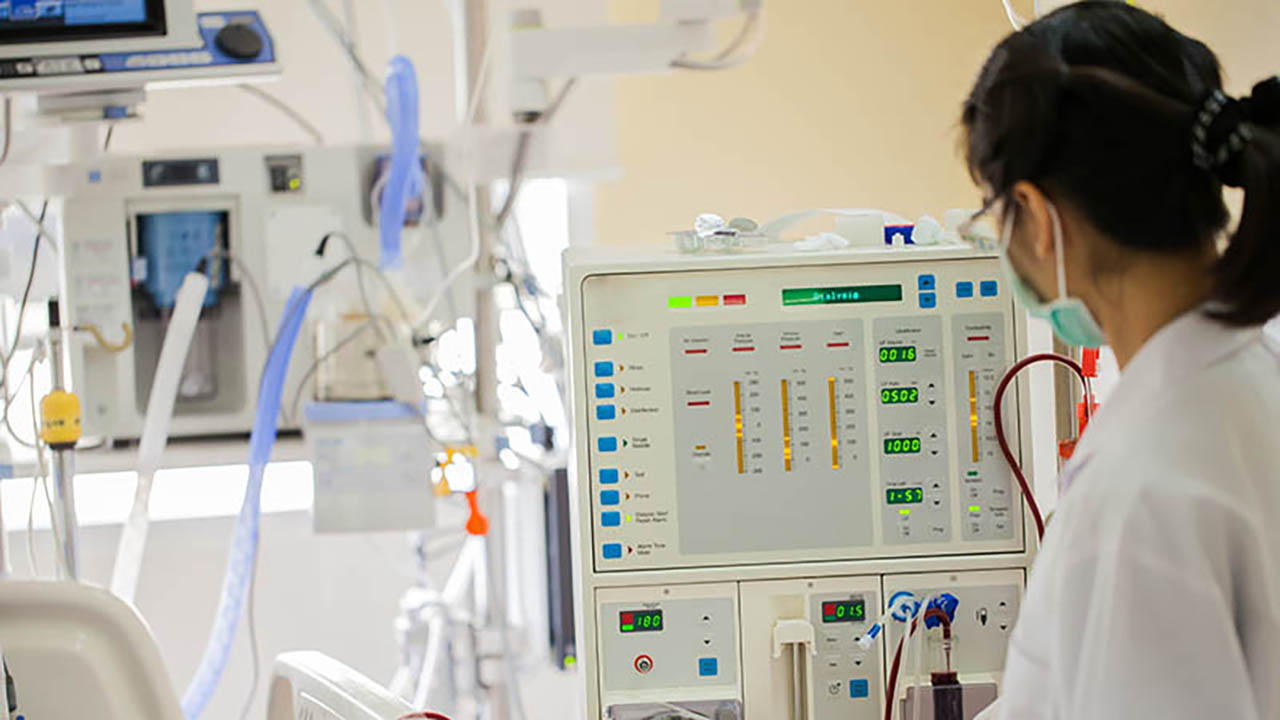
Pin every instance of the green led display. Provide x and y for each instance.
(842, 295)
(901, 446)
(904, 496)
(630, 621)
(898, 354)
(844, 611)
(900, 396)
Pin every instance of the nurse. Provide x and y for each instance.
(1104, 140)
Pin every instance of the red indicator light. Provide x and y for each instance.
(735, 299)
(829, 609)
(628, 619)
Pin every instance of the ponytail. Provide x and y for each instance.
(1239, 142)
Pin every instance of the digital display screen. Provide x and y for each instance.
(631, 621)
(900, 396)
(842, 295)
(898, 354)
(904, 496)
(901, 446)
(60, 20)
(844, 611)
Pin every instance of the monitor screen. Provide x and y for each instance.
(33, 21)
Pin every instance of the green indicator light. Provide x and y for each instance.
(904, 511)
(628, 628)
(677, 302)
(974, 508)
(972, 473)
(570, 661)
(841, 295)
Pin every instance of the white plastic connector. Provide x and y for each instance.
(793, 631)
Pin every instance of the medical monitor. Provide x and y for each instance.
(51, 28)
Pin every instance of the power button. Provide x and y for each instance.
(644, 664)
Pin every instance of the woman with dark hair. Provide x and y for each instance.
(1104, 140)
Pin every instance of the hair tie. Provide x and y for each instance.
(1262, 107)
(1218, 135)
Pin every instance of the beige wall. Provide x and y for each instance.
(848, 103)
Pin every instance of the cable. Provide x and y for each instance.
(298, 118)
(35, 357)
(8, 129)
(106, 141)
(999, 418)
(253, 287)
(424, 715)
(26, 291)
(254, 650)
(729, 57)
(331, 23)
(39, 222)
(315, 364)
(1015, 19)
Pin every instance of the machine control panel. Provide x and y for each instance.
(797, 413)
(656, 639)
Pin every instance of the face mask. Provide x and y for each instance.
(1068, 316)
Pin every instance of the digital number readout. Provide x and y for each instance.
(844, 611)
(842, 295)
(640, 620)
(901, 446)
(904, 496)
(898, 354)
(900, 396)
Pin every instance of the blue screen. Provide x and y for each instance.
(72, 12)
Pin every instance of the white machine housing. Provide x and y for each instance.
(278, 203)
(763, 439)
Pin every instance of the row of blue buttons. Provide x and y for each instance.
(964, 289)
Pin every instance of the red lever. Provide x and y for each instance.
(477, 523)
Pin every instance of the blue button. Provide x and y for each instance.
(601, 337)
(611, 551)
(964, 289)
(989, 288)
(859, 689)
(609, 497)
(607, 444)
(604, 391)
(611, 519)
(606, 412)
(604, 368)
(708, 667)
(609, 476)
(928, 300)
(926, 282)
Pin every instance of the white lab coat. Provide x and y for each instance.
(1157, 590)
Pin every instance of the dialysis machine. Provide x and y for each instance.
(254, 218)
(771, 448)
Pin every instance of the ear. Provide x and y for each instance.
(1034, 219)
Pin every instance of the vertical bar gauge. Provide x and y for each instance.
(786, 427)
(973, 412)
(831, 419)
(737, 423)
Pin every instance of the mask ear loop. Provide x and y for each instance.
(1059, 255)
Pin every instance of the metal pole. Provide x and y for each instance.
(495, 681)
(64, 472)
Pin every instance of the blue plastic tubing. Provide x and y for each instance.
(401, 91)
(244, 539)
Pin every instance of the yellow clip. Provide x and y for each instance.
(467, 451)
(60, 419)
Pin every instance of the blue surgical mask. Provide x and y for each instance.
(1068, 316)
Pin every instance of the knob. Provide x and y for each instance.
(239, 41)
(644, 664)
